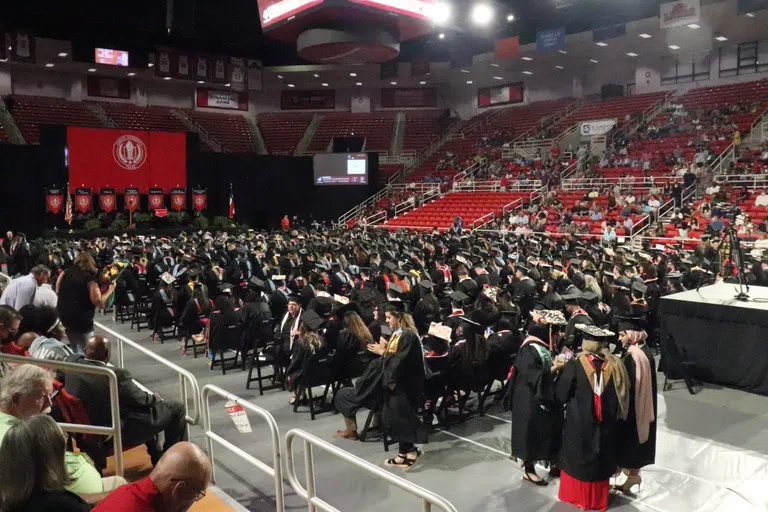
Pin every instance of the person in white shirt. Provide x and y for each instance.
(762, 199)
(45, 296)
(22, 290)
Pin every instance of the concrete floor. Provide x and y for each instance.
(712, 452)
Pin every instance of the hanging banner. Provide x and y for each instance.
(54, 200)
(83, 200)
(506, 49)
(163, 62)
(405, 97)
(107, 199)
(237, 75)
(131, 199)
(202, 68)
(22, 46)
(501, 95)
(229, 100)
(551, 39)
(156, 199)
(178, 198)
(601, 127)
(220, 72)
(675, 14)
(389, 70)
(199, 199)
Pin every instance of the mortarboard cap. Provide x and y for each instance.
(426, 284)
(458, 297)
(167, 278)
(639, 287)
(594, 332)
(312, 320)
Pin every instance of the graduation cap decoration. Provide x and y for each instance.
(341, 299)
(594, 332)
(278, 277)
(167, 278)
(225, 288)
(395, 288)
(440, 331)
(550, 316)
(312, 320)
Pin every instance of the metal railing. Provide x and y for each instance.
(751, 181)
(495, 186)
(718, 163)
(482, 221)
(469, 171)
(184, 376)
(309, 494)
(514, 205)
(758, 121)
(275, 471)
(114, 402)
(655, 216)
(633, 182)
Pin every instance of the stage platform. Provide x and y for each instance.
(725, 339)
(719, 464)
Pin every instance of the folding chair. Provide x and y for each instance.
(316, 372)
(229, 339)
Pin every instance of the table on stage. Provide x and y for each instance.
(725, 339)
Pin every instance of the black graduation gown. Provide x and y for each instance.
(632, 454)
(468, 287)
(301, 357)
(423, 315)
(589, 448)
(573, 336)
(536, 418)
(524, 294)
(403, 384)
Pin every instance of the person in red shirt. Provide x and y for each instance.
(285, 223)
(20, 347)
(179, 479)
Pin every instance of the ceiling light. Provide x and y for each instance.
(601, 43)
(291, 85)
(316, 75)
(49, 65)
(358, 83)
(63, 54)
(465, 71)
(324, 84)
(91, 70)
(441, 13)
(469, 82)
(227, 85)
(674, 47)
(527, 58)
(441, 36)
(353, 74)
(151, 64)
(749, 15)
(632, 54)
(423, 82)
(510, 17)
(645, 36)
(11, 47)
(393, 83)
(527, 73)
(721, 38)
(131, 74)
(694, 25)
(200, 82)
(563, 52)
(482, 14)
(494, 65)
(594, 61)
(280, 77)
(167, 78)
(498, 78)
(559, 67)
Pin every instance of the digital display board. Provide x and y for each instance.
(422, 9)
(273, 11)
(340, 168)
(111, 57)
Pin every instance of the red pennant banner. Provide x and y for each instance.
(156, 199)
(83, 200)
(178, 198)
(161, 212)
(54, 200)
(200, 199)
(132, 199)
(107, 200)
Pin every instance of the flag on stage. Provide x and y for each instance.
(68, 208)
(231, 203)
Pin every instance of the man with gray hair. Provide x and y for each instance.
(26, 391)
(22, 290)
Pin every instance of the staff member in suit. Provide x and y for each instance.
(143, 414)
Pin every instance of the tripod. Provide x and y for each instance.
(736, 257)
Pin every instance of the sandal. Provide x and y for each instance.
(403, 461)
(540, 483)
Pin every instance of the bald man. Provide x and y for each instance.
(144, 416)
(179, 479)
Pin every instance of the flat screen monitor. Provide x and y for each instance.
(341, 168)
(111, 57)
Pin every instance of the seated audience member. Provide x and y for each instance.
(143, 415)
(33, 469)
(22, 290)
(10, 320)
(179, 479)
(762, 199)
(309, 345)
(25, 392)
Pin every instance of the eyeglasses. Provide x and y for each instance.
(199, 494)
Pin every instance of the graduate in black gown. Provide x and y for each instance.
(594, 389)
(638, 434)
(309, 346)
(536, 417)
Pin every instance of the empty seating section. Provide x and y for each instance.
(283, 132)
(231, 130)
(613, 108)
(725, 94)
(423, 127)
(375, 127)
(132, 117)
(387, 170)
(30, 112)
(518, 120)
(468, 205)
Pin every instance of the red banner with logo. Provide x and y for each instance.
(156, 199)
(199, 199)
(506, 49)
(120, 159)
(178, 198)
(54, 200)
(107, 200)
(132, 199)
(83, 200)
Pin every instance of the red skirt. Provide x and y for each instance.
(585, 495)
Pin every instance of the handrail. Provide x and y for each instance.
(717, 163)
(184, 375)
(635, 182)
(569, 170)
(758, 120)
(485, 219)
(375, 218)
(309, 494)
(275, 471)
(517, 203)
(114, 402)
(752, 181)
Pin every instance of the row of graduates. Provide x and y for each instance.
(588, 414)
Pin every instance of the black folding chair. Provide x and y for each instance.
(317, 372)
(227, 339)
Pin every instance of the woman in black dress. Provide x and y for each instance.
(309, 345)
(638, 433)
(427, 308)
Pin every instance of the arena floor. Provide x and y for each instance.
(712, 452)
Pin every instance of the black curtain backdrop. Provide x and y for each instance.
(265, 187)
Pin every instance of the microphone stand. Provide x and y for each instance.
(736, 257)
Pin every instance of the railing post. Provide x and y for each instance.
(309, 468)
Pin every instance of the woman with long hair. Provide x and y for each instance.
(194, 316)
(427, 310)
(309, 344)
(469, 356)
(32, 469)
(403, 386)
(223, 315)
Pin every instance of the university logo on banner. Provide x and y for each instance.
(156, 200)
(130, 152)
(551, 39)
(178, 198)
(131, 199)
(506, 49)
(83, 200)
(107, 200)
(199, 199)
(54, 200)
(684, 12)
(601, 127)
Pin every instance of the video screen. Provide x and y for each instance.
(341, 168)
(421, 9)
(272, 11)
(111, 57)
